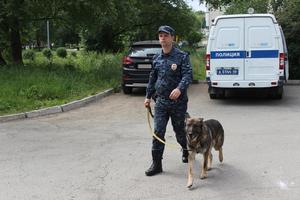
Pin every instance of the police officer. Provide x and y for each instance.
(170, 77)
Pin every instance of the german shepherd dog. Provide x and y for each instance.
(201, 137)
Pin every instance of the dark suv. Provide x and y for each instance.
(137, 64)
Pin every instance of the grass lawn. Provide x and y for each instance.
(43, 82)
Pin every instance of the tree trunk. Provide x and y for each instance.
(15, 42)
(38, 41)
(2, 61)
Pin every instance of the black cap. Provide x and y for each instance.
(166, 29)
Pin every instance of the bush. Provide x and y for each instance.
(73, 53)
(29, 55)
(193, 38)
(47, 53)
(33, 92)
(61, 52)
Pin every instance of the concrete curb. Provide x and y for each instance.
(80, 103)
(77, 104)
(17, 116)
(57, 109)
(44, 111)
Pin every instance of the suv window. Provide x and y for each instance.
(144, 51)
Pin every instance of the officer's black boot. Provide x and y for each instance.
(156, 166)
(185, 155)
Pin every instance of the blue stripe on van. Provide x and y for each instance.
(242, 54)
(227, 54)
(264, 54)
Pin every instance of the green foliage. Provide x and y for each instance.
(39, 92)
(74, 54)
(102, 26)
(215, 3)
(47, 53)
(7, 55)
(193, 38)
(241, 7)
(289, 18)
(29, 54)
(61, 52)
(197, 58)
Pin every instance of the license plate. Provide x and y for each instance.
(144, 66)
(227, 71)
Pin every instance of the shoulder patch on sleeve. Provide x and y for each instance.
(155, 56)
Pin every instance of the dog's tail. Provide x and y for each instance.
(221, 154)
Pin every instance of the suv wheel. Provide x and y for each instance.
(127, 90)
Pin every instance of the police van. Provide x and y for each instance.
(246, 51)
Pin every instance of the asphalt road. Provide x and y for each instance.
(102, 150)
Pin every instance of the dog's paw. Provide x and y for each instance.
(189, 182)
(189, 185)
(203, 176)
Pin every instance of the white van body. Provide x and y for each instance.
(246, 51)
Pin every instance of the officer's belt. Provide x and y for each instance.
(168, 98)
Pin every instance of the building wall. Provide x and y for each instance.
(211, 14)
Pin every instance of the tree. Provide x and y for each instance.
(216, 3)
(10, 27)
(289, 18)
(239, 6)
(102, 25)
(153, 14)
(137, 20)
(17, 15)
(193, 38)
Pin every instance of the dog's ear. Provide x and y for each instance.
(188, 121)
(187, 115)
(200, 119)
(199, 122)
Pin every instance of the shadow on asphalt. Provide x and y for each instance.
(225, 176)
(249, 98)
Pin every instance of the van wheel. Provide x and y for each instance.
(221, 93)
(127, 90)
(212, 92)
(216, 93)
(213, 96)
(276, 93)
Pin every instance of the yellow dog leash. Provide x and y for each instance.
(149, 113)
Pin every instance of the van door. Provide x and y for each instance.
(227, 50)
(261, 45)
